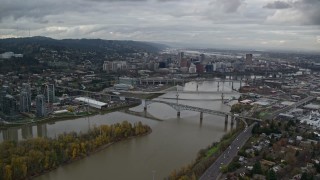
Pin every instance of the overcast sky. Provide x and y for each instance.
(253, 24)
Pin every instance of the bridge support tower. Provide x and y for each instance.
(226, 119)
(145, 105)
(232, 120)
(178, 114)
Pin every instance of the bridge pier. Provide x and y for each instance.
(178, 114)
(145, 105)
(232, 86)
(201, 117)
(222, 97)
(226, 119)
(237, 122)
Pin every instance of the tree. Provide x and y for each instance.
(306, 176)
(257, 168)
(271, 175)
(8, 172)
(20, 160)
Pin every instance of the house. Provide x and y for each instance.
(299, 138)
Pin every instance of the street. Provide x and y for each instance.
(213, 172)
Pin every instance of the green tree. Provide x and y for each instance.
(7, 172)
(271, 175)
(257, 168)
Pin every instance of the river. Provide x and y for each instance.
(173, 143)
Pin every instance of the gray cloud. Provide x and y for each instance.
(117, 0)
(301, 12)
(277, 5)
(216, 23)
(310, 10)
(228, 6)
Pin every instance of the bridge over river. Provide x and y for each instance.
(179, 107)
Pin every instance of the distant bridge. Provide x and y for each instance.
(174, 81)
(178, 107)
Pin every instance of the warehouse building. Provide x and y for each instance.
(91, 102)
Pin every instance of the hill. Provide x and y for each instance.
(31, 45)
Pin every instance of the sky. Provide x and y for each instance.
(231, 24)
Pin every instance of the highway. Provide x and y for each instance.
(213, 172)
(287, 108)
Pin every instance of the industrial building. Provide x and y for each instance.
(124, 87)
(91, 102)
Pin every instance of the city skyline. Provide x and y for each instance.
(233, 24)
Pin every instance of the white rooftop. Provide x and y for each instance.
(91, 101)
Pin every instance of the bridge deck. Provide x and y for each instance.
(179, 107)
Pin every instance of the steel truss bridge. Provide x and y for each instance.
(179, 107)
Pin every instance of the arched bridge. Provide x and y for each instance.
(178, 107)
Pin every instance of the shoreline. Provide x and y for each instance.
(66, 117)
(103, 147)
(4, 126)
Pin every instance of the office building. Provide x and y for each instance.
(3, 93)
(180, 56)
(105, 66)
(248, 59)
(40, 106)
(114, 66)
(202, 57)
(25, 98)
(25, 104)
(50, 93)
(192, 68)
(9, 105)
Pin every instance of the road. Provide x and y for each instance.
(213, 172)
(287, 108)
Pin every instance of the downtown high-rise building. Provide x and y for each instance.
(50, 93)
(40, 106)
(9, 105)
(248, 59)
(25, 98)
(3, 93)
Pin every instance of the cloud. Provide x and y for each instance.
(229, 6)
(117, 0)
(211, 23)
(278, 5)
(301, 12)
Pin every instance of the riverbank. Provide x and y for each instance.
(64, 117)
(94, 152)
(42, 155)
(205, 157)
(52, 119)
